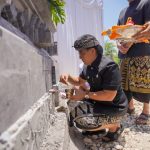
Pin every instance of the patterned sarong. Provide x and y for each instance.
(136, 74)
(83, 117)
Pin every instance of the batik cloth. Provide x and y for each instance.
(135, 73)
(85, 116)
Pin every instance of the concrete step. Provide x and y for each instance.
(57, 137)
(60, 137)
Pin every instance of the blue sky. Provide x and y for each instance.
(111, 12)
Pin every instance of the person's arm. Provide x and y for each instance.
(111, 81)
(104, 95)
(107, 95)
(110, 86)
(124, 47)
(77, 81)
(66, 78)
(145, 33)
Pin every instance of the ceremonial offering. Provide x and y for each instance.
(124, 33)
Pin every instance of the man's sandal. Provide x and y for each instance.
(143, 119)
(113, 136)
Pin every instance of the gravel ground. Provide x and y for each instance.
(134, 137)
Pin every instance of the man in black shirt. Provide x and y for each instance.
(136, 58)
(104, 104)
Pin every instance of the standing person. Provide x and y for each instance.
(135, 65)
(104, 104)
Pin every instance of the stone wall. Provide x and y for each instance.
(25, 75)
(31, 17)
(26, 32)
(30, 129)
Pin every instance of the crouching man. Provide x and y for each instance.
(104, 104)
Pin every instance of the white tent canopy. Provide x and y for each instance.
(82, 17)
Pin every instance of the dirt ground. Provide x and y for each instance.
(134, 137)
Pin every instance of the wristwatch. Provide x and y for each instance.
(86, 96)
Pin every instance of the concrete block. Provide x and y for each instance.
(28, 131)
(22, 75)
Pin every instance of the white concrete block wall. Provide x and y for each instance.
(28, 131)
(22, 77)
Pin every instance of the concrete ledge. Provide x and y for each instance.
(57, 136)
(29, 130)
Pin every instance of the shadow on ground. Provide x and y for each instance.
(80, 142)
(76, 140)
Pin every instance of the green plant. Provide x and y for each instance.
(57, 11)
(111, 51)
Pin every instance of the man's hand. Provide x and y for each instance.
(79, 95)
(145, 33)
(64, 78)
(124, 47)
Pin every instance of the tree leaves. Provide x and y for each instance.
(111, 51)
(57, 11)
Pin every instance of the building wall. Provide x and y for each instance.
(28, 132)
(26, 32)
(24, 74)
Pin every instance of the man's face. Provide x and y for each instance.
(87, 55)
